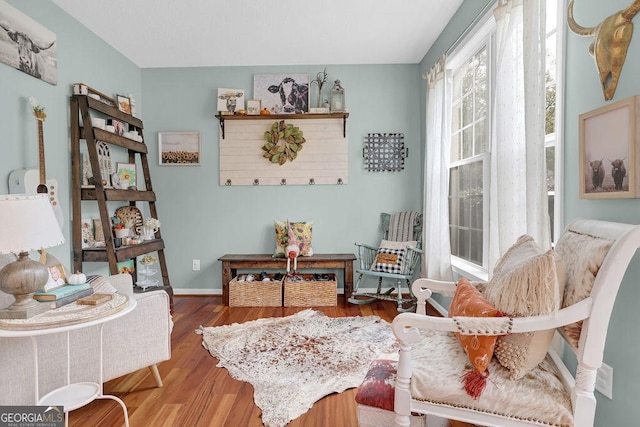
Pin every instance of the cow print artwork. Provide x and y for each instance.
(384, 152)
(282, 93)
(230, 100)
(27, 46)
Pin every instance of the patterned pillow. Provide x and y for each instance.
(303, 232)
(468, 302)
(101, 284)
(377, 389)
(392, 256)
(525, 269)
(582, 255)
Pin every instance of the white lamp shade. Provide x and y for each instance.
(27, 222)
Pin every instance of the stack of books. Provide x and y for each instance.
(63, 295)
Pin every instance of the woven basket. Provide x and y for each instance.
(310, 293)
(255, 294)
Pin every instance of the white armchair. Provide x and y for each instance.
(137, 340)
(432, 361)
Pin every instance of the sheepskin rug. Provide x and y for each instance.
(294, 361)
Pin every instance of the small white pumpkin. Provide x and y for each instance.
(77, 279)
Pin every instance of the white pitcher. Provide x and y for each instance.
(148, 232)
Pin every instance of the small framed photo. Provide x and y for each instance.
(230, 100)
(253, 107)
(609, 138)
(127, 266)
(124, 103)
(56, 279)
(179, 148)
(118, 126)
(126, 173)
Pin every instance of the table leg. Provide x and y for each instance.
(348, 280)
(226, 278)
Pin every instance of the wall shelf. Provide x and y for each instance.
(343, 116)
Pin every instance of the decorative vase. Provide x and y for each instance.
(122, 232)
(149, 233)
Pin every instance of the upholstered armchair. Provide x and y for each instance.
(138, 340)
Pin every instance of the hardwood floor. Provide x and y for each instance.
(197, 393)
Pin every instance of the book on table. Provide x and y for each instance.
(69, 299)
(61, 292)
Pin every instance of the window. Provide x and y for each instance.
(469, 186)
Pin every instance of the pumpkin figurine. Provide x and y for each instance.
(77, 278)
(265, 112)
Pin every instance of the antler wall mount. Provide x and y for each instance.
(611, 39)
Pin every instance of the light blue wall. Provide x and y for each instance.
(82, 57)
(583, 93)
(203, 220)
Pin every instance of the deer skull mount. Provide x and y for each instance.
(610, 43)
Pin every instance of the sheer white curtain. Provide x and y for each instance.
(518, 179)
(436, 260)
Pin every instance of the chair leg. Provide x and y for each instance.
(156, 374)
(354, 296)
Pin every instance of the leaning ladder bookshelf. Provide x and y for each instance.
(82, 108)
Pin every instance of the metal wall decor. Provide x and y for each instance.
(384, 152)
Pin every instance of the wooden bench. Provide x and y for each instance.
(231, 263)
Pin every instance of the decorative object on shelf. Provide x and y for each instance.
(336, 97)
(230, 100)
(253, 107)
(127, 174)
(147, 273)
(179, 148)
(99, 233)
(104, 159)
(611, 39)
(87, 233)
(149, 228)
(320, 80)
(132, 102)
(609, 151)
(265, 112)
(282, 93)
(127, 266)
(384, 152)
(27, 222)
(292, 140)
(119, 127)
(131, 217)
(56, 278)
(28, 46)
(124, 104)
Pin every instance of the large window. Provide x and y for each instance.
(469, 189)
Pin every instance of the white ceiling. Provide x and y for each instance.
(194, 33)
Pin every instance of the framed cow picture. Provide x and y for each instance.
(27, 45)
(230, 100)
(609, 138)
(282, 93)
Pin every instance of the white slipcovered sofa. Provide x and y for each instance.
(137, 340)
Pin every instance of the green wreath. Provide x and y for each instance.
(292, 140)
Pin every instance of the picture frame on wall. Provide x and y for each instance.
(608, 145)
(124, 103)
(179, 148)
(282, 93)
(253, 107)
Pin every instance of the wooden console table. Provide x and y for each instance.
(231, 263)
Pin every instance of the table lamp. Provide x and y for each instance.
(27, 222)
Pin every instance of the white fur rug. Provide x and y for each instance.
(294, 361)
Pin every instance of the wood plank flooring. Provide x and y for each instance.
(196, 393)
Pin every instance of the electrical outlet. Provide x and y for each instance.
(604, 381)
(196, 265)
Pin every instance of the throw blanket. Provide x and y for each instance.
(294, 361)
(401, 226)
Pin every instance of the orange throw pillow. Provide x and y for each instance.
(468, 302)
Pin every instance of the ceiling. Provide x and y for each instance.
(196, 33)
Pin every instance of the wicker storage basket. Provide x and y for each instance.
(256, 293)
(310, 292)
